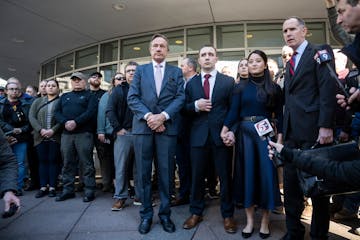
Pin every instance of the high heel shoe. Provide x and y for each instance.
(247, 234)
(264, 235)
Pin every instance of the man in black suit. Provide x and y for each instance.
(308, 118)
(208, 97)
(188, 67)
(156, 97)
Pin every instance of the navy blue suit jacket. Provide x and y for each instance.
(203, 123)
(142, 98)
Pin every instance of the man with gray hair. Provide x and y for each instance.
(188, 67)
(76, 111)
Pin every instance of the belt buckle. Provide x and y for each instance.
(253, 118)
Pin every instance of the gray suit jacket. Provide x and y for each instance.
(142, 98)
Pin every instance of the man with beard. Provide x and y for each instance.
(94, 83)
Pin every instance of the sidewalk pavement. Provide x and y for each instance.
(46, 219)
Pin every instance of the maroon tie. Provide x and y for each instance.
(292, 64)
(207, 86)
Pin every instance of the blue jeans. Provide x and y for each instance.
(20, 150)
(123, 147)
(48, 154)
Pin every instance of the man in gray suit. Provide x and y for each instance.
(156, 96)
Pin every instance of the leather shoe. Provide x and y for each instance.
(145, 226)
(180, 201)
(247, 234)
(88, 198)
(64, 196)
(264, 235)
(230, 225)
(167, 225)
(41, 193)
(192, 221)
(285, 237)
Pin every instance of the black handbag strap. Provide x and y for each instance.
(45, 104)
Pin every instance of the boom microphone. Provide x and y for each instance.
(323, 56)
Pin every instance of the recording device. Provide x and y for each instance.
(12, 210)
(322, 56)
(266, 131)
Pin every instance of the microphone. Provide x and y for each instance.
(323, 56)
(266, 131)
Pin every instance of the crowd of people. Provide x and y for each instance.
(157, 116)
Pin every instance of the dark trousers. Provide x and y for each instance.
(33, 163)
(200, 157)
(184, 167)
(105, 153)
(48, 153)
(294, 204)
(162, 148)
(77, 150)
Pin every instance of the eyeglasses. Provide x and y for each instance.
(13, 89)
(286, 55)
(130, 70)
(76, 79)
(120, 78)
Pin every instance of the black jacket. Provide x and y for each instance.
(117, 111)
(8, 167)
(347, 172)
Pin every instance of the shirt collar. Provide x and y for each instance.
(302, 47)
(212, 73)
(162, 63)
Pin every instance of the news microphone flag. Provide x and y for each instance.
(264, 128)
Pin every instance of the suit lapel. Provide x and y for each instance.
(167, 74)
(150, 76)
(216, 88)
(300, 67)
(199, 86)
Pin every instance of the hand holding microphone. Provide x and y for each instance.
(265, 131)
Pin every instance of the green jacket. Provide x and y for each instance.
(37, 118)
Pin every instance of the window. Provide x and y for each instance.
(265, 35)
(109, 52)
(48, 70)
(316, 33)
(135, 47)
(176, 41)
(231, 36)
(87, 72)
(197, 37)
(108, 72)
(86, 57)
(64, 63)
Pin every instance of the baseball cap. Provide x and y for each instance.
(77, 75)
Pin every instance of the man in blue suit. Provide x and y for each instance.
(156, 97)
(208, 97)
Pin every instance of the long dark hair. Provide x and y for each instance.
(268, 90)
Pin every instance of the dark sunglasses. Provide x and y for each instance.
(120, 78)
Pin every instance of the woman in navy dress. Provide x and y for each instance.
(255, 177)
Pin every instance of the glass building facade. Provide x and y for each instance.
(232, 40)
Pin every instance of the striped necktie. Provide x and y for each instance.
(292, 64)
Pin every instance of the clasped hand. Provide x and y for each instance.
(227, 136)
(156, 122)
